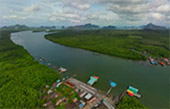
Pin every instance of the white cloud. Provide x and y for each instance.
(109, 16)
(158, 16)
(32, 8)
(80, 6)
(169, 18)
(164, 8)
(159, 12)
(75, 21)
(14, 17)
(67, 16)
(53, 18)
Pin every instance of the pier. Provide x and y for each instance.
(89, 89)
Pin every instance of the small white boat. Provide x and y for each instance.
(61, 69)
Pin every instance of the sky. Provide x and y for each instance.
(77, 12)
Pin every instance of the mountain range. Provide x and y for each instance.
(149, 26)
(153, 27)
(84, 27)
(17, 26)
(90, 26)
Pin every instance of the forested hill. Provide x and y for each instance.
(15, 27)
(84, 27)
(154, 27)
(21, 77)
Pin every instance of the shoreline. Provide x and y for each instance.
(101, 53)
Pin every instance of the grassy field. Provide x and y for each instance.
(130, 44)
(21, 77)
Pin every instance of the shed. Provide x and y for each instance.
(88, 96)
(58, 84)
(82, 94)
(75, 100)
(82, 103)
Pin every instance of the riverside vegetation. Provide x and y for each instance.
(129, 102)
(130, 44)
(21, 77)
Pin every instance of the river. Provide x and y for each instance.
(152, 82)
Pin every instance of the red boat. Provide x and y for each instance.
(162, 63)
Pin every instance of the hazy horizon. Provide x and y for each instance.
(123, 26)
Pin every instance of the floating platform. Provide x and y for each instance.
(133, 92)
(113, 84)
(92, 80)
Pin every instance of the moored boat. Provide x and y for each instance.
(162, 63)
(61, 69)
